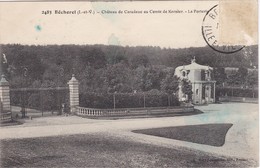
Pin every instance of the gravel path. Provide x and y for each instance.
(241, 139)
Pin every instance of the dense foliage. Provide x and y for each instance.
(121, 69)
(105, 69)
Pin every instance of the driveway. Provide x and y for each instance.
(241, 139)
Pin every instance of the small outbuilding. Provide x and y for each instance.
(200, 77)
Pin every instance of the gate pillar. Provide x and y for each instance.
(74, 94)
(5, 100)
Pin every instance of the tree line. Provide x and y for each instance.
(116, 69)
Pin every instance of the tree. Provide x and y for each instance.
(119, 78)
(139, 60)
(233, 79)
(94, 57)
(87, 79)
(220, 76)
(186, 88)
(142, 82)
(115, 55)
(242, 75)
(170, 84)
(252, 79)
(238, 78)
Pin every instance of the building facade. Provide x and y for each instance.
(200, 76)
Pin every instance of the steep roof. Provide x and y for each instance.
(193, 66)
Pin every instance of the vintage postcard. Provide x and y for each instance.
(129, 84)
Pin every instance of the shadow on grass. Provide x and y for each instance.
(208, 134)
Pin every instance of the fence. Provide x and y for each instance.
(236, 92)
(238, 99)
(37, 98)
(41, 99)
(94, 112)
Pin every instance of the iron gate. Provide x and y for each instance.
(54, 100)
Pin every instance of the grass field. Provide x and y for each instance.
(208, 134)
(104, 150)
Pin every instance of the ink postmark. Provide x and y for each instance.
(210, 32)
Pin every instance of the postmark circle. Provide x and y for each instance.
(210, 32)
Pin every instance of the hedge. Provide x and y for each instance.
(127, 100)
(237, 92)
(50, 100)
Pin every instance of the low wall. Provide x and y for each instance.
(83, 111)
(238, 99)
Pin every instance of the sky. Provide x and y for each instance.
(24, 23)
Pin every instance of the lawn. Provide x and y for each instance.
(208, 134)
(104, 150)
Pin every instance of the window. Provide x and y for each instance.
(203, 91)
(212, 91)
(183, 73)
(207, 73)
(202, 75)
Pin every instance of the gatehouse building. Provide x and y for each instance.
(200, 77)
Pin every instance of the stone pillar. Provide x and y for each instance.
(74, 94)
(5, 112)
(5, 94)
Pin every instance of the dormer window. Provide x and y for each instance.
(207, 73)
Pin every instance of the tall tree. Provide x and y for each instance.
(187, 88)
(119, 78)
(220, 76)
(242, 73)
(252, 79)
(139, 60)
(170, 84)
